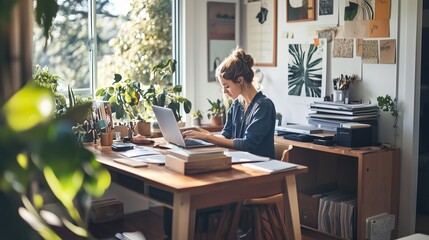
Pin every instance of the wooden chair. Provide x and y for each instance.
(265, 214)
(266, 218)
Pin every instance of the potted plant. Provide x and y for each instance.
(196, 118)
(125, 98)
(387, 104)
(165, 96)
(215, 112)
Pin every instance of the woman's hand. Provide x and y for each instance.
(195, 134)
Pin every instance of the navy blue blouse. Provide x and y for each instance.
(253, 130)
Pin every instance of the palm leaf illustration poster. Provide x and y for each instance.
(307, 69)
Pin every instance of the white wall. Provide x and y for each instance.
(378, 79)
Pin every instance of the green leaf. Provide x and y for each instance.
(66, 186)
(177, 88)
(29, 107)
(117, 77)
(187, 105)
(100, 92)
(111, 90)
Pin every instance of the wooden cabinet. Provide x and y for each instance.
(370, 173)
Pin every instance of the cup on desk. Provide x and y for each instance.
(106, 139)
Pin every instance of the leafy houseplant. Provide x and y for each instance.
(215, 112)
(124, 96)
(165, 96)
(387, 104)
(38, 149)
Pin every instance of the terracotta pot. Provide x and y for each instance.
(216, 120)
(143, 128)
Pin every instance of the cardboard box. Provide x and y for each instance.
(201, 166)
(106, 210)
(308, 209)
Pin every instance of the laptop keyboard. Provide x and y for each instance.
(192, 142)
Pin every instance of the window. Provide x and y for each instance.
(131, 36)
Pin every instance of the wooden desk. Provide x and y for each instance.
(185, 194)
(370, 173)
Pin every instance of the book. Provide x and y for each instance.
(271, 166)
(193, 167)
(342, 106)
(197, 154)
(344, 117)
(346, 112)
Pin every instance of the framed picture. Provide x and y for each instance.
(261, 31)
(300, 10)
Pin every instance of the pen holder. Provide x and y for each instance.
(341, 96)
(106, 139)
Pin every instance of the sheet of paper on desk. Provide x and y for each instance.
(139, 151)
(244, 157)
(154, 159)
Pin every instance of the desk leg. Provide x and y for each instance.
(183, 217)
(291, 211)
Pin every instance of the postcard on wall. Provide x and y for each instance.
(328, 13)
(300, 10)
(354, 29)
(377, 28)
(359, 47)
(382, 9)
(388, 51)
(343, 48)
(370, 51)
(307, 69)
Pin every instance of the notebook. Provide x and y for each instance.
(271, 166)
(170, 130)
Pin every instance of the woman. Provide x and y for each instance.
(251, 118)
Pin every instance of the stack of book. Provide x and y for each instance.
(192, 161)
(331, 115)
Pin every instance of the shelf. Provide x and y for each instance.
(149, 222)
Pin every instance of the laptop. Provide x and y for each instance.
(170, 130)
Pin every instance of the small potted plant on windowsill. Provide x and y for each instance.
(197, 116)
(215, 112)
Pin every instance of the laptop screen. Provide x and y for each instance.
(168, 125)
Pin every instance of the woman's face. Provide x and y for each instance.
(230, 88)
